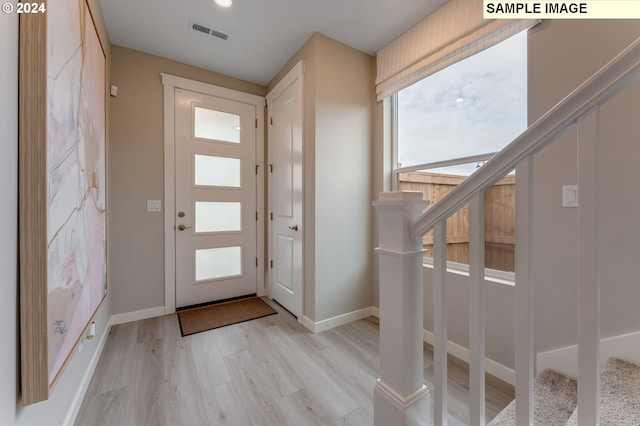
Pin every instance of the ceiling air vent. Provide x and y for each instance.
(201, 28)
(209, 31)
(218, 34)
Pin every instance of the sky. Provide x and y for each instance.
(434, 125)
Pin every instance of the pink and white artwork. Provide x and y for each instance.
(76, 224)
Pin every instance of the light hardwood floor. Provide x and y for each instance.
(269, 371)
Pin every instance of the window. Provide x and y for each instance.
(450, 124)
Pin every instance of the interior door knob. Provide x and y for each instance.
(294, 228)
(181, 227)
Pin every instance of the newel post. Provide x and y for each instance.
(400, 396)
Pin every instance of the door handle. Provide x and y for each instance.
(293, 228)
(181, 227)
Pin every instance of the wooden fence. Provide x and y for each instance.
(500, 215)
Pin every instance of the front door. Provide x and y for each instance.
(215, 198)
(286, 195)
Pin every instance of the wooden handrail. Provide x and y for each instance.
(620, 72)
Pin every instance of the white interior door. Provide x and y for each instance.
(286, 195)
(215, 198)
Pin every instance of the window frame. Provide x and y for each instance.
(494, 275)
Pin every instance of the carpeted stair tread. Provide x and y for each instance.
(619, 394)
(555, 400)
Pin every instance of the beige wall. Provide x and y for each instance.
(338, 119)
(136, 173)
(343, 179)
(562, 54)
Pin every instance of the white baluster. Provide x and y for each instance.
(524, 296)
(588, 271)
(476, 311)
(440, 322)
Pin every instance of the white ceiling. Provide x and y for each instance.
(263, 34)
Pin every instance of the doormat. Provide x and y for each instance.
(215, 316)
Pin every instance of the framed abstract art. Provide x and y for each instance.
(62, 231)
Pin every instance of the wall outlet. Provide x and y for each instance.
(154, 206)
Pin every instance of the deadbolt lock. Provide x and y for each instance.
(180, 214)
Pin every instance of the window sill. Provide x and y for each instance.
(500, 277)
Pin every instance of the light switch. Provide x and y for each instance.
(154, 206)
(570, 196)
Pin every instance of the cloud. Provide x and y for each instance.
(432, 126)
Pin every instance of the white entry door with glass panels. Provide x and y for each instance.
(215, 198)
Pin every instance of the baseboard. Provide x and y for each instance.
(495, 369)
(320, 326)
(137, 315)
(565, 360)
(74, 408)
(375, 311)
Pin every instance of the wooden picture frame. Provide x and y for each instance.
(62, 182)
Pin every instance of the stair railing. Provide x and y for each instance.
(400, 396)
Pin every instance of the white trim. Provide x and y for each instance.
(495, 369)
(169, 199)
(137, 315)
(261, 269)
(399, 401)
(565, 360)
(75, 405)
(445, 163)
(210, 89)
(375, 311)
(320, 326)
(494, 275)
(170, 83)
(286, 81)
(403, 254)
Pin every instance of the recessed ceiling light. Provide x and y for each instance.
(459, 100)
(223, 3)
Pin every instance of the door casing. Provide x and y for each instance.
(170, 83)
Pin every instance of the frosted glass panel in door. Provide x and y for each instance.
(218, 216)
(217, 263)
(210, 170)
(216, 125)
